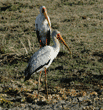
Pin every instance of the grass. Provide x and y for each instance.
(80, 24)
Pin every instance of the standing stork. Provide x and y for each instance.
(42, 59)
(43, 27)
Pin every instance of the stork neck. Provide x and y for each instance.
(56, 44)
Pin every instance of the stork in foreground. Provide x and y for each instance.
(43, 27)
(42, 59)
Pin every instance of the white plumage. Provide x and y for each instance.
(43, 27)
(40, 60)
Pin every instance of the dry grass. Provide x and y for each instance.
(81, 25)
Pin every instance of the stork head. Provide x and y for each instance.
(43, 9)
(60, 38)
(44, 12)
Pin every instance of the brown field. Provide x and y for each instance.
(81, 25)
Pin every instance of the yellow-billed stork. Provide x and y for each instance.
(43, 27)
(42, 59)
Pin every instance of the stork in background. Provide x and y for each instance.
(43, 27)
(42, 59)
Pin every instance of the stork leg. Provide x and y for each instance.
(46, 83)
(39, 82)
(40, 43)
(46, 41)
(48, 37)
